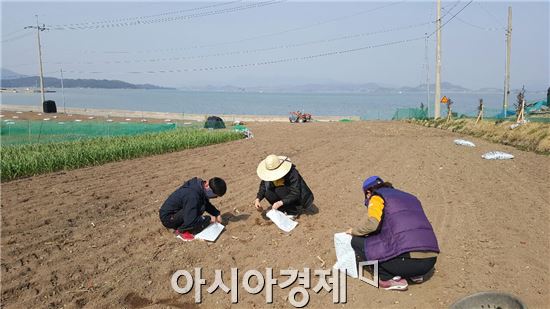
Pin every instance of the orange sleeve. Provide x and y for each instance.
(376, 207)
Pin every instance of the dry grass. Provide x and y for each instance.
(530, 136)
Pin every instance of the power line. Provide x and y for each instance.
(319, 23)
(13, 32)
(331, 20)
(323, 22)
(250, 51)
(449, 10)
(112, 21)
(452, 17)
(479, 27)
(168, 19)
(262, 63)
(24, 35)
(499, 22)
(261, 36)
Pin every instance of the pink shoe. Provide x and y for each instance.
(185, 236)
(396, 283)
(417, 279)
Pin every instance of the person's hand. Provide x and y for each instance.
(219, 219)
(277, 204)
(212, 219)
(257, 204)
(349, 231)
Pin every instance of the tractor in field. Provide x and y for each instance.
(299, 117)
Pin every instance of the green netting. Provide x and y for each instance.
(498, 115)
(15, 132)
(345, 120)
(410, 113)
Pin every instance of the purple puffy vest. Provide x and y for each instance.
(404, 228)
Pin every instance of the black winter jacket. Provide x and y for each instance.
(193, 200)
(300, 194)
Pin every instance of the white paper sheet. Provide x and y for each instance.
(345, 255)
(211, 232)
(281, 220)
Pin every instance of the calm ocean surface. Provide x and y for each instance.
(367, 106)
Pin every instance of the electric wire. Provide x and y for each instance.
(262, 63)
(257, 50)
(11, 33)
(323, 22)
(479, 27)
(500, 23)
(16, 38)
(168, 19)
(112, 21)
(261, 36)
(452, 17)
(447, 11)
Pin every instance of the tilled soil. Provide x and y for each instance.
(92, 238)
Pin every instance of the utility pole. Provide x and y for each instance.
(437, 112)
(38, 29)
(63, 91)
(427, 76)
(508, 50)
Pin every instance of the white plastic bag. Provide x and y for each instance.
(345, 255)
(281, 220)
(497, 155)
(464, 142)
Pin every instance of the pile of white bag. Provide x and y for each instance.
(491, 155)
(497, 155)
(464, 142)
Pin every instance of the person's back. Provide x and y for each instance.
(177, 200)
(183, 210)
(404, 227)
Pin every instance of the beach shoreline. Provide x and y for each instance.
(167, 115)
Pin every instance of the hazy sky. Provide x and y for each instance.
(278, 42)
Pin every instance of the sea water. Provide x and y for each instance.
(364, 105)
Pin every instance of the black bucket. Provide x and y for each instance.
(49, 106)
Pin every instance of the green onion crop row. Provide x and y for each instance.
(28, 160)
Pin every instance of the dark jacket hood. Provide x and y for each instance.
(195, 184)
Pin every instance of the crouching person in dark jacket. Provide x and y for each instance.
(183, 210)
(282, 186)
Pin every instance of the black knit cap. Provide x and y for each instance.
(217, 185)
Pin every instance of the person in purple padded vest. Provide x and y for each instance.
(396, 233)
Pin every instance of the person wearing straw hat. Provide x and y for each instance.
(282, 186)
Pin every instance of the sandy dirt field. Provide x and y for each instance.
(92, 238)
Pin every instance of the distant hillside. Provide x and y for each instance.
(445, 86)
(330, 88)
(51, 82)
(9, 74)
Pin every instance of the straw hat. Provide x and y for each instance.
(273, 167)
